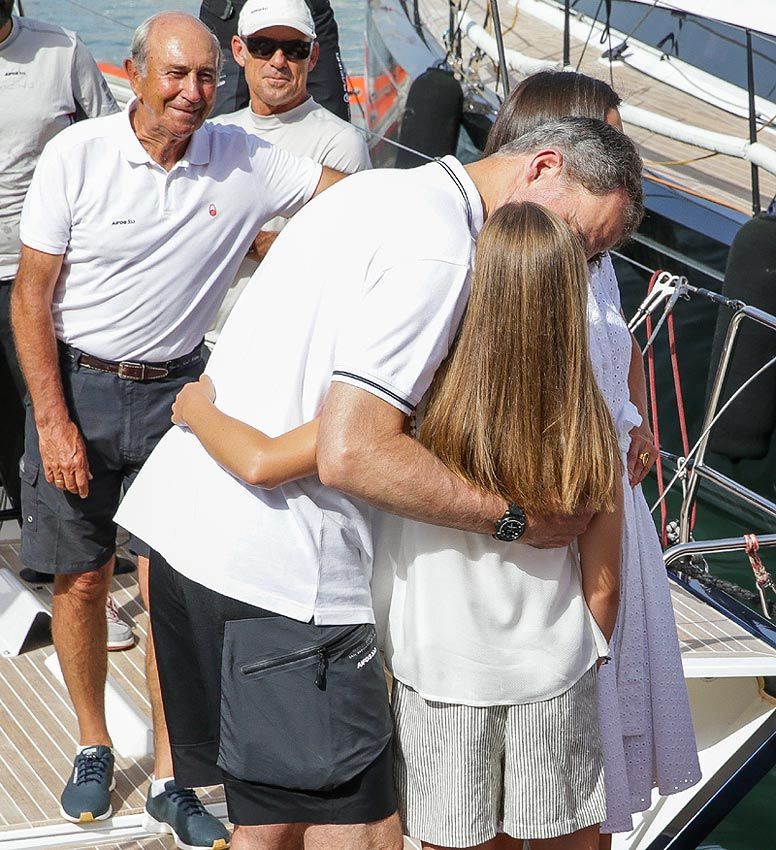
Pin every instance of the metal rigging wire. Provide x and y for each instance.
(99, 14)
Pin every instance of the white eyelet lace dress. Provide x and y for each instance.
(646, 726)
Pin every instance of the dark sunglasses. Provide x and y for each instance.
(263, 48)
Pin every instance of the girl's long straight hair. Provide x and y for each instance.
(515, 408)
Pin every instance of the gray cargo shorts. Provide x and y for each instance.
(121, 421)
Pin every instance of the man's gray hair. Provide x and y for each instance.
(139, 45)
(595, 155)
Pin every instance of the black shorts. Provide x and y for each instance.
(121, 422)
(291, 717)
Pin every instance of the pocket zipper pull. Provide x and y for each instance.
(323, 663)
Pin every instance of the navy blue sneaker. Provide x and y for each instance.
(179, 812)
(86, 797)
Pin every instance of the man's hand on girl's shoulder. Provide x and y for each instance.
(555, 530)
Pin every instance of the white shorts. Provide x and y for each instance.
(465, 773)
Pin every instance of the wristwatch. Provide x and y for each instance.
(512, 525)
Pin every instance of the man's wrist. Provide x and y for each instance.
(51, 415)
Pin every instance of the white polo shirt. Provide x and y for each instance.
(381, 316)
(148, 254)
(45, 73)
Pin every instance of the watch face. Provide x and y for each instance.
(510, 528)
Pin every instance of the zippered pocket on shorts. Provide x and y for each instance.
(352, 639)
(310, 715)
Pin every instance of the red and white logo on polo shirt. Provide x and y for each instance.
(212, 210)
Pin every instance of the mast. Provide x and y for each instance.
(502, 60)
(752, 120)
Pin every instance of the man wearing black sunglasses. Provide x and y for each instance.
(327, 82)
(276, 45)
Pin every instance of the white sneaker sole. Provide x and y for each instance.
(88, 817)
(151, 824)
(117, 646)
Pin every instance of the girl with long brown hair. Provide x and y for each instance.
(516, 410)
(645, 719)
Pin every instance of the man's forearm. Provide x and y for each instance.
(401, 476)
(36, 346)
(364, 450)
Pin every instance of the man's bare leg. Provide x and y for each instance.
(283, 836)
(80, 635)
(381, 835)
(162, 752)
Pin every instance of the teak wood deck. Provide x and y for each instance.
(38, 730)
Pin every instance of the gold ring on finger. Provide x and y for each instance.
(644, 458)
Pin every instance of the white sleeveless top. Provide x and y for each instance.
(471, 620)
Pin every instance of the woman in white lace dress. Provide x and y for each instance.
(645, 718)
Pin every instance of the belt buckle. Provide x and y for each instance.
(127, 375)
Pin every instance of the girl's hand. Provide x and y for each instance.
(642, 454)
(203, 388)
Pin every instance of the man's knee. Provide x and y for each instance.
(88, 587)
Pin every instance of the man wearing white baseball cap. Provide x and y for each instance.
(276, 47)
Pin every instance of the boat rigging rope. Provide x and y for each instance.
(100, 14)
(683, 461)
(761, 575)
(691, 568)
(664, 280)
(656, 422)
(454, 36)
(589, 35)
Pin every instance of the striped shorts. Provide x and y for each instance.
(465, 773)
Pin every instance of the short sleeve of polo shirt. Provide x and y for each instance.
(292, 179)
(399, 333)
(89, 86)
(46, 214)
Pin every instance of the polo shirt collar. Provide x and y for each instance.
(197, 152)
(472, 193)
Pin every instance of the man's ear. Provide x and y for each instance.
(238, 46)
(314, 54)
(133, 75)
(543, 164)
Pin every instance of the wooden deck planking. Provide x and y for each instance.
(704, 632)
(38, 728)
(725, 178)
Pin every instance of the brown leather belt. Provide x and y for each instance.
(135, 371)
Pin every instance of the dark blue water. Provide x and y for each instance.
(106, 27)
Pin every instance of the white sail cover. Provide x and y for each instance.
(756, 15)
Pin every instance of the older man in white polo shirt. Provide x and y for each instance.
(132, 229)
